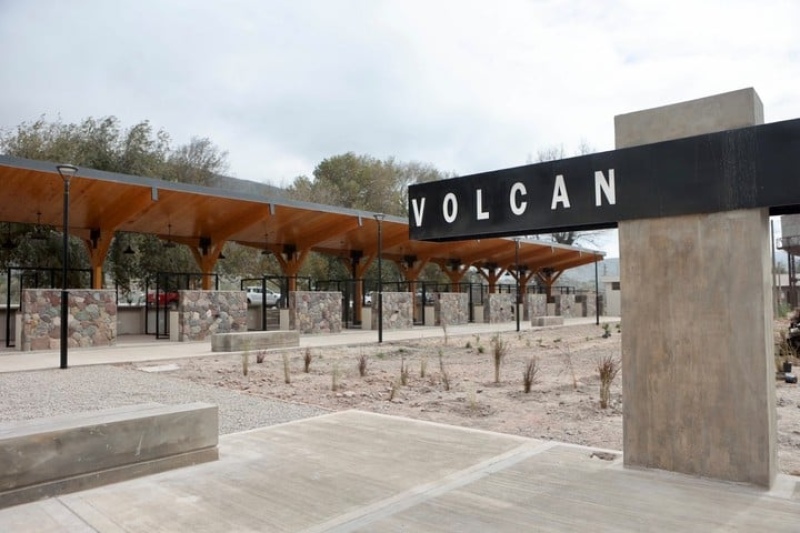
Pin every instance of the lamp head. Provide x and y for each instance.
(66, 171)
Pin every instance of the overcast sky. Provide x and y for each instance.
(463, 85)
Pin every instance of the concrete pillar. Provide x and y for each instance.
(697, 352)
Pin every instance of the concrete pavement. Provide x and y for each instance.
(356, 471)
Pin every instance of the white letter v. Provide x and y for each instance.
(419, 210)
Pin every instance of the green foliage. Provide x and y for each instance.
(363, 182)
(104, 144)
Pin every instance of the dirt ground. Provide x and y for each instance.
(563, 403)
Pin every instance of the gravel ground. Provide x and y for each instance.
(29, 395)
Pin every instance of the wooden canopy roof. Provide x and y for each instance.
(204, 218)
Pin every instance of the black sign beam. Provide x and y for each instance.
(744, 168)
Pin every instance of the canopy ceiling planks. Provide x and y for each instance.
(102, 203)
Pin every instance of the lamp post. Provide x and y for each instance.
(516, 265)
(66, 172)
(379, 218)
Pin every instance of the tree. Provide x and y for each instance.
(197, 162)
(360, 182)
(554, 153)
(363, 182)
(103, 144)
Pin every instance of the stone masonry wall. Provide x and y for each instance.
(398, 312)
(203, 313)
(452, 308)
(92, 318)
(566, 306)
(499, 307)
(315, 312)
(537, 305)
(587, 303)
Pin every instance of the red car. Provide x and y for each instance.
(164, 298)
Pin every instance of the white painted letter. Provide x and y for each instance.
(481, 214)
(419, 210)
(606, 186)
(560, 193)
(517, 207)
(450, 212)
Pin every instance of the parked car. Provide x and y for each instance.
(165, 298)
(255, 296)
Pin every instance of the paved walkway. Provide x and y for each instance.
(138, 348)
(355, 471)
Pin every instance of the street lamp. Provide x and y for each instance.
(379, 218)
(516, 263)
(66, 172)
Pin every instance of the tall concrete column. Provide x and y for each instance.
(697, 349)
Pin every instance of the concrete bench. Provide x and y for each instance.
(253, 340)
(51, 456)
(547, 321)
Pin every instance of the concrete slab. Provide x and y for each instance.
(357, 471)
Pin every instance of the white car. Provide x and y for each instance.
(255, 297)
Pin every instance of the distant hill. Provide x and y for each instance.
(584, 275)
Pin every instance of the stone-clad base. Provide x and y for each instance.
(452, 308)
(499, 308)
(92, 318)
(315, 311)
(398, 312)
(204, 313)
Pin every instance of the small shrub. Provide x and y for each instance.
(499, 351)
(443, 323)
(287, 377)
(335, 377)
(260, 355)
(363, 362)
(245, 362)
(423, 367)
(607, 367)
(530, 375)
(556, 341)
(481, 349)
(468, 346)
(393, 390)
(403, 372)
(606, 330)
(307, 361)
(472, 399)
(568, 363)
(443, 372)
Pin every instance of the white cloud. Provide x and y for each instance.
(467, 86)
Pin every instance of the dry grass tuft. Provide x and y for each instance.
(531, 374)
(608, 368)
